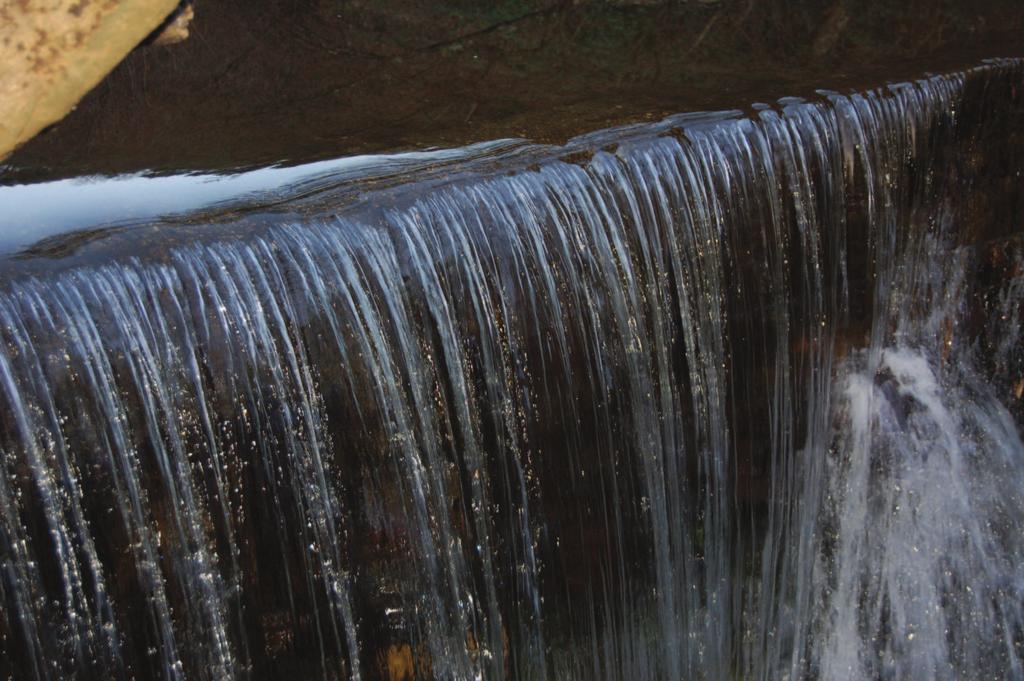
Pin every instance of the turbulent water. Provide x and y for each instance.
(725, 397)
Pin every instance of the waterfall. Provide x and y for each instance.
(732, 395)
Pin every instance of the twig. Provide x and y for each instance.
(703, 34)
(492, 28)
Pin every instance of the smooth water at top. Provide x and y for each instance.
(719, 398)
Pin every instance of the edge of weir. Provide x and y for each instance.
(356, 199)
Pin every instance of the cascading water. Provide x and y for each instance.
(921, 566)
(713, 398)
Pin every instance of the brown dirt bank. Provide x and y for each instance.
(298, 80)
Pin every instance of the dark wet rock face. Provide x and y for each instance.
(723, 396)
